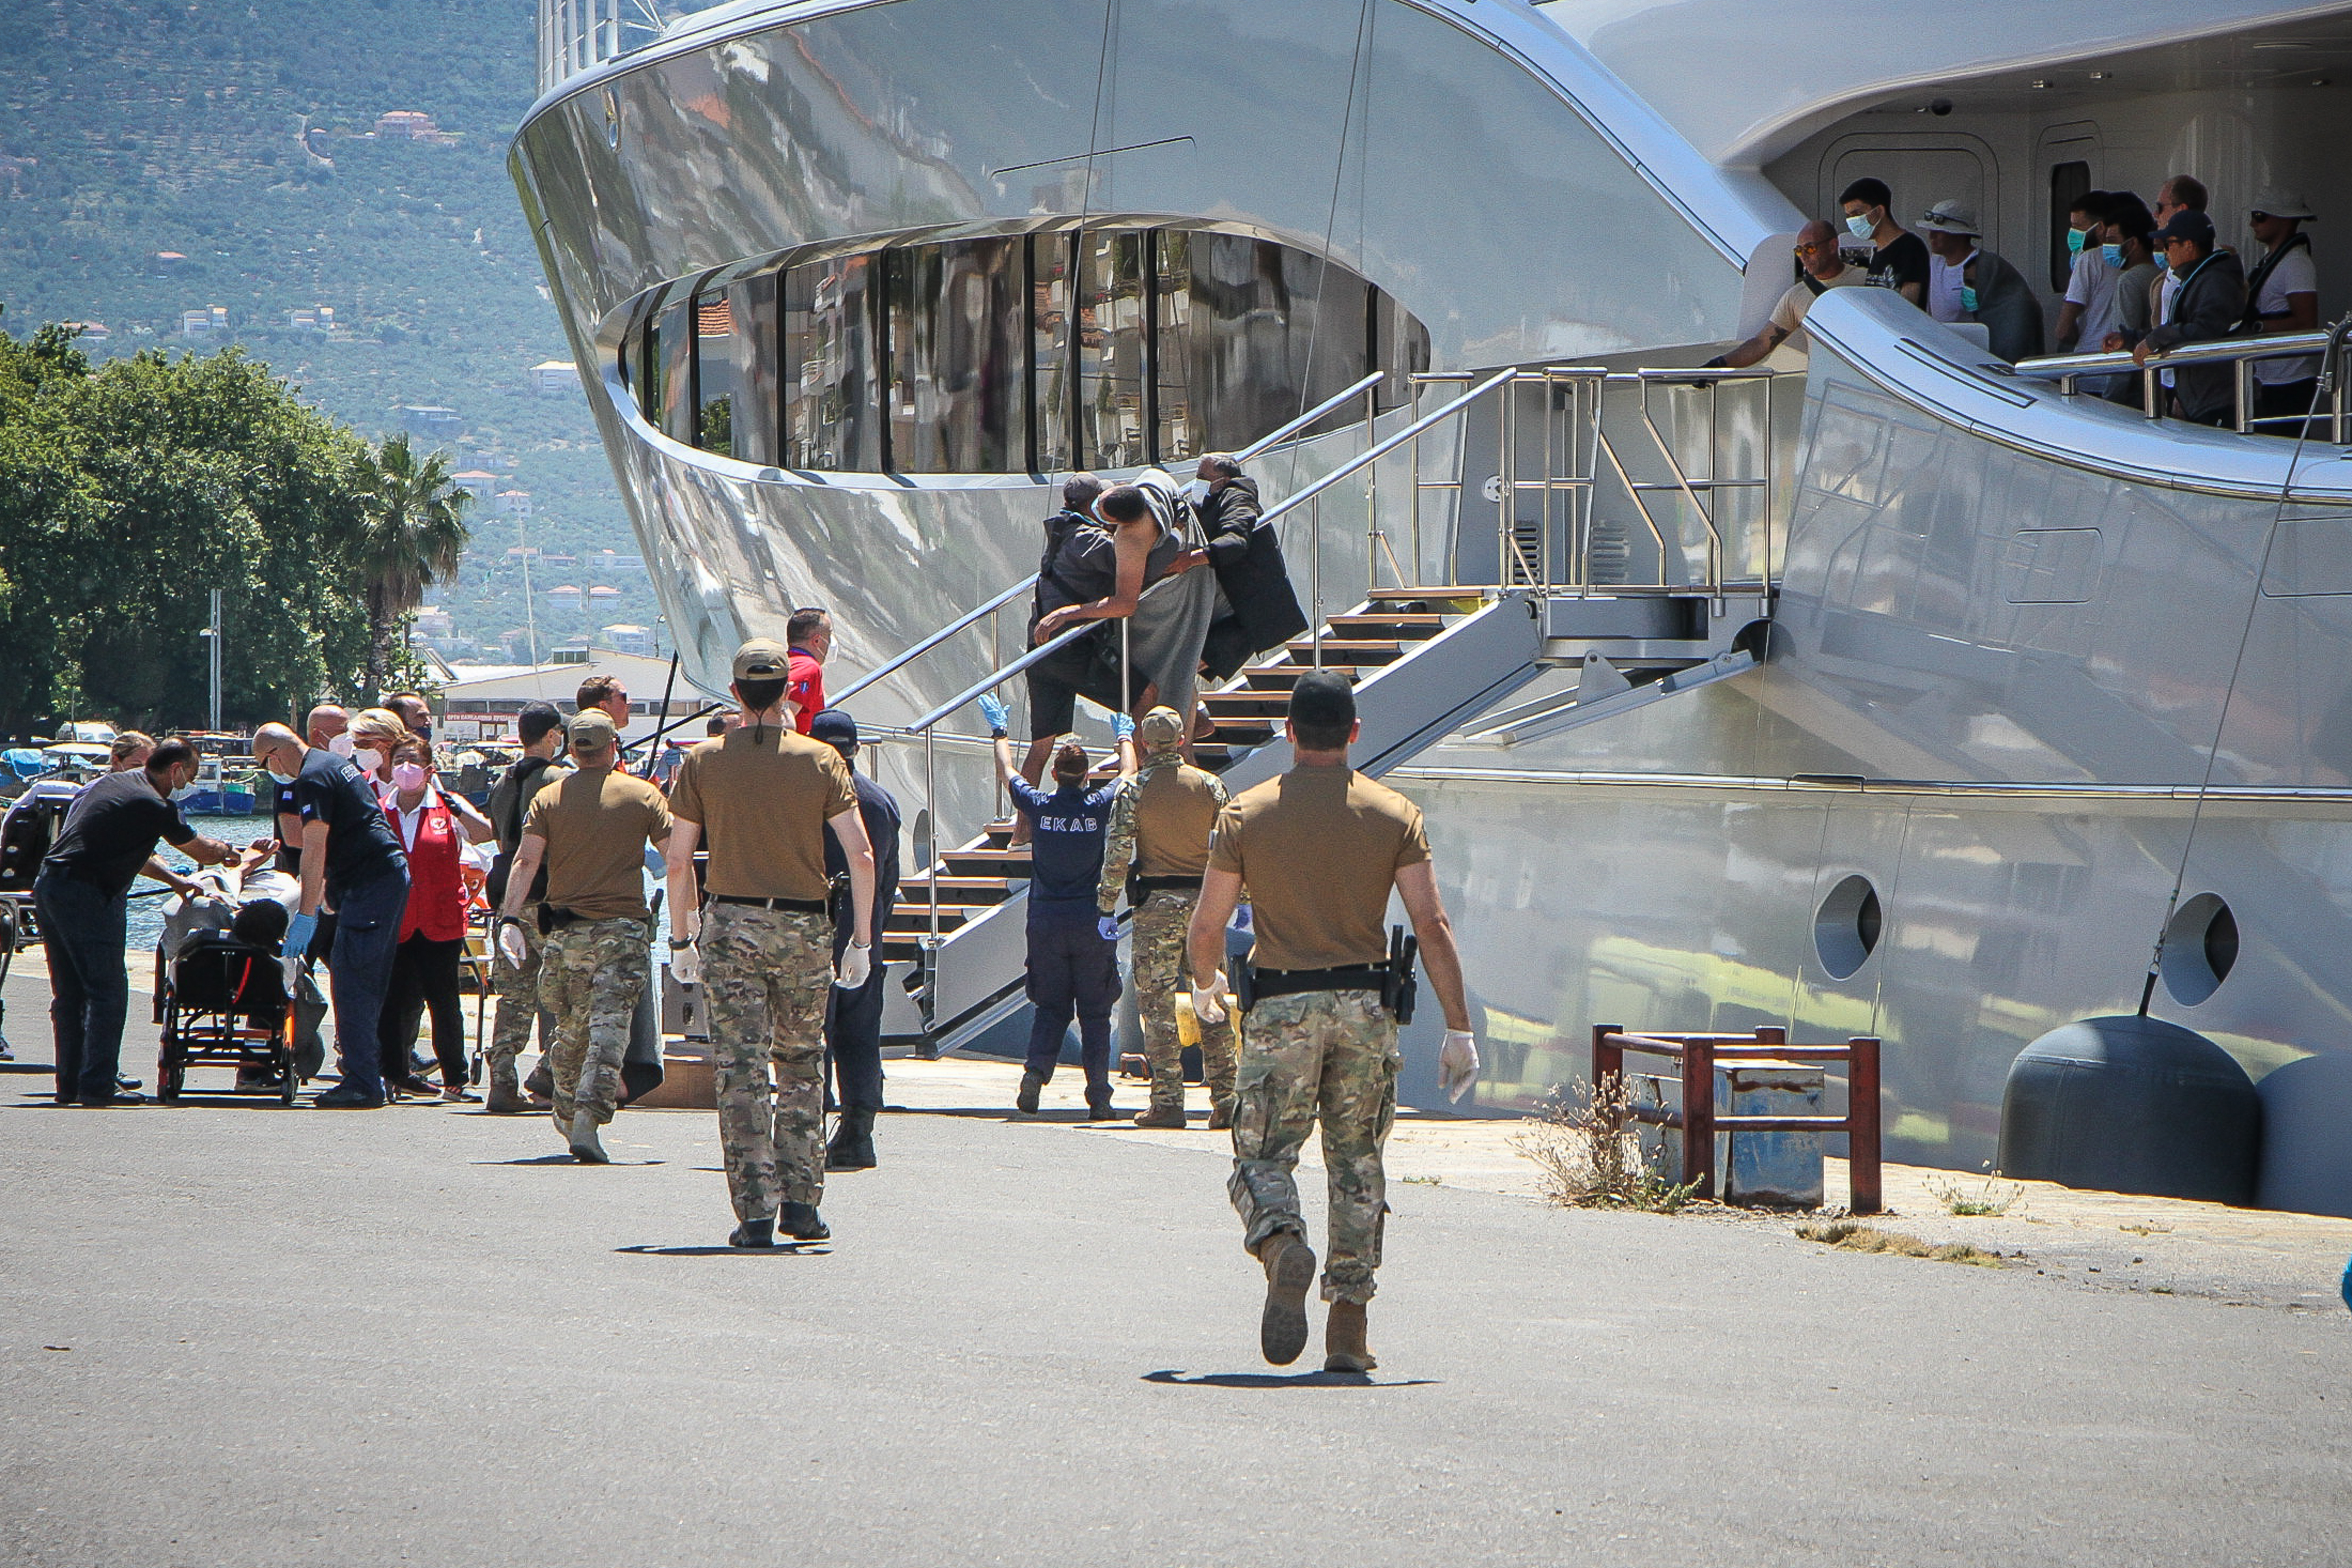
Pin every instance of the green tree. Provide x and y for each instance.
(127, 493)
(415, 532)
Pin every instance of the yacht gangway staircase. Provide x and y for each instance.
(1427, 660)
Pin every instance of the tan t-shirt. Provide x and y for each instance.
(1788, 315)
(1317, 850)
(597, 824)
(762, 796)
(1174, 812)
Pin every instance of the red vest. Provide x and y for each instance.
(436, 893)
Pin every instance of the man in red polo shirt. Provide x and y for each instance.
(809, 636)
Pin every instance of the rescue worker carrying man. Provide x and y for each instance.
(1156, 849)
(1318, 851)
(590, 831)
(763, 946)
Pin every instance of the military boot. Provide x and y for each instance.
(506, 1097)
(540, 1084)
(586, 1147)
(1221, 1114)
(753, 1233)
(1161, 1115)
(803, 1223)
(1026, 1100)
(1344, 1349)
(852, 1148)
(1290, 1271)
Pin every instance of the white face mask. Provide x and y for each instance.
(182, 791)
(282, 778)
(341, 744)
(368, 759)
(1860, 225)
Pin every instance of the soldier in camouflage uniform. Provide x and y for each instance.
(759, 937)
(590, 832)
(540, 728)
(1319, 851)
(1157, 846)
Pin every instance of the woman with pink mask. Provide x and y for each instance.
(435, 828)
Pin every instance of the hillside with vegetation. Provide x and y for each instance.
(159, 157)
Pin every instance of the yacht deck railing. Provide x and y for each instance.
(2241, 353)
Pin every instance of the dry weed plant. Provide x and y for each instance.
(1995, 1197)
(1588, 1147)
(1853, 1238)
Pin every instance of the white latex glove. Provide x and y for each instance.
(685, 964)
(1457, 1064)
(1209, 1001)
(857, 963)
(511, 945)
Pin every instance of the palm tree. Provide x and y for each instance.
(415, 532)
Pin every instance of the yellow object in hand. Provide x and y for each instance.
(1188, 1022)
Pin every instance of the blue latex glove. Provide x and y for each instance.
(1121, 725)
(299, 932)
(992, 709)
(1107, 928)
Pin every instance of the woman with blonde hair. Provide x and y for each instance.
(375, 733)
(435, 828)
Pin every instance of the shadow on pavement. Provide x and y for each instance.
(1283, 1380)
(568, 1160)
(792, 1249)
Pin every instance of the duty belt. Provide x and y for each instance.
(800, 906)
(1141, 888)
(1393, 979)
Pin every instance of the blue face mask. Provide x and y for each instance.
(2074, 238)
(1859, 226)
(2113, 255)
(1967, 299)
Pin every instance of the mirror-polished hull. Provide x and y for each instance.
(2040, 672)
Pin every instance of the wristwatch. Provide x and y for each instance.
(675, 943)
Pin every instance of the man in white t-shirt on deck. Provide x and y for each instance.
(2282, 296)
(1824, 268)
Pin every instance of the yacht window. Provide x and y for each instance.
(1107, 347)
(2069, 184)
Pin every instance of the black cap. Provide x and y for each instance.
(2186, 223)
(535, 721)
(836, 729)
(1324, 700)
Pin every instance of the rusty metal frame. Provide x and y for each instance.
(1698, 1121)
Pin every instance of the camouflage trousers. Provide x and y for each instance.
(765, 977)
(1161, 976)
(591, 973)
(517, 995)
(1318, 1056)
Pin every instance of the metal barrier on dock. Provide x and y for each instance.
(1697, 1056)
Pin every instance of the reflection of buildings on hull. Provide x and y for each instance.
(851, 282)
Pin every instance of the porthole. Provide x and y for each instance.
(2201, 948)
(1845, 930)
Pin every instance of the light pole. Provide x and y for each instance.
(212, 636)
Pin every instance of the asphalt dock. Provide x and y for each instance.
(239, 1335)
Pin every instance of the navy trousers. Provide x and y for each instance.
(853, 1026)
(367, 935)
(1072, 970)
(83, 931)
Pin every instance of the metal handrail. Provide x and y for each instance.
(1383, 447)
(970, 618)
(2242, 354)
(2219, 351)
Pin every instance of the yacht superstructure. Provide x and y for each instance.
(1889, 690)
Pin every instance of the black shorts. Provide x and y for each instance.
(1059, 679)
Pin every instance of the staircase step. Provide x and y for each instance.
(1336, 651)
(988, 862)
(1460, 593)
(1408, 627)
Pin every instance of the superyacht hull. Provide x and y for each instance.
(2044, 693)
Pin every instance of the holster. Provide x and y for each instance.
(1244, 983)
(1396, 994)
(552, 920)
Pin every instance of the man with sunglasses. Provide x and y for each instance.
(1821, 268)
